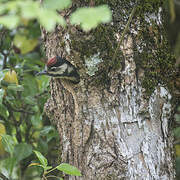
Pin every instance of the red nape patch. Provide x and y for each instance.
(51, 61)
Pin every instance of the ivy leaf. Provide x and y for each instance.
(56, 4)
(21, 151)
(41, 158)
(89, 18)
(8, 143)
(68, 169)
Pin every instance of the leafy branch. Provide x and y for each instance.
(64, 167)
(46, 13)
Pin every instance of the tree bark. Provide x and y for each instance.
(115, 124)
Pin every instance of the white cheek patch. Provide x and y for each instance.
(59, 70)
(70, 69)
(54, 68)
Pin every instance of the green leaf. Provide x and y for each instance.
(30, 85)
(15, 87)
(56, 4)
(24, 44)
(36, 120)
(35, 109)
(177, 117)
(46, 130)
(48, 19)
(9, 164)
(4, 111)
(21, 151)
(8, 143)
(51, 135)
(41, 158)
(47, 168)
(2, 74)
(49, 132)
(10, 21)
(2, 8)
(7, 42)
(42, 146)
(30, 100)
(29, 9)
(89, 18)
(177, 132)
(1, 95)
(12, 5)
(43, 82)
(68, 169)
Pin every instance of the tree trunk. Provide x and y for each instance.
(115, 124)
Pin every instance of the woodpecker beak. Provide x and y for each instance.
(42, 73)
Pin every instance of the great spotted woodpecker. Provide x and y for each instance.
(61, 68)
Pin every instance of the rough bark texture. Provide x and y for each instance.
(115, 124)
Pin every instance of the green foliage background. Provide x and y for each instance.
(173, 32)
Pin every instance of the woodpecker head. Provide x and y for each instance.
(61, 68)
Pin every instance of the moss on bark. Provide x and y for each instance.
(154, 57)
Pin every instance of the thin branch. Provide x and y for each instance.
(44, 177)
(125, 31)
(19, 110)
(5, 59)
(52, 176)
(50, 170)
(16, 124)
(22, 111)
(40, 94)
(3, 35)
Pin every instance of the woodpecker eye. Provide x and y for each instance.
(53, 69)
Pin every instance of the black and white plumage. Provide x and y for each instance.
(61, 68)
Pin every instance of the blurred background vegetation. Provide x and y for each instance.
(23, 125)
(173, 32)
